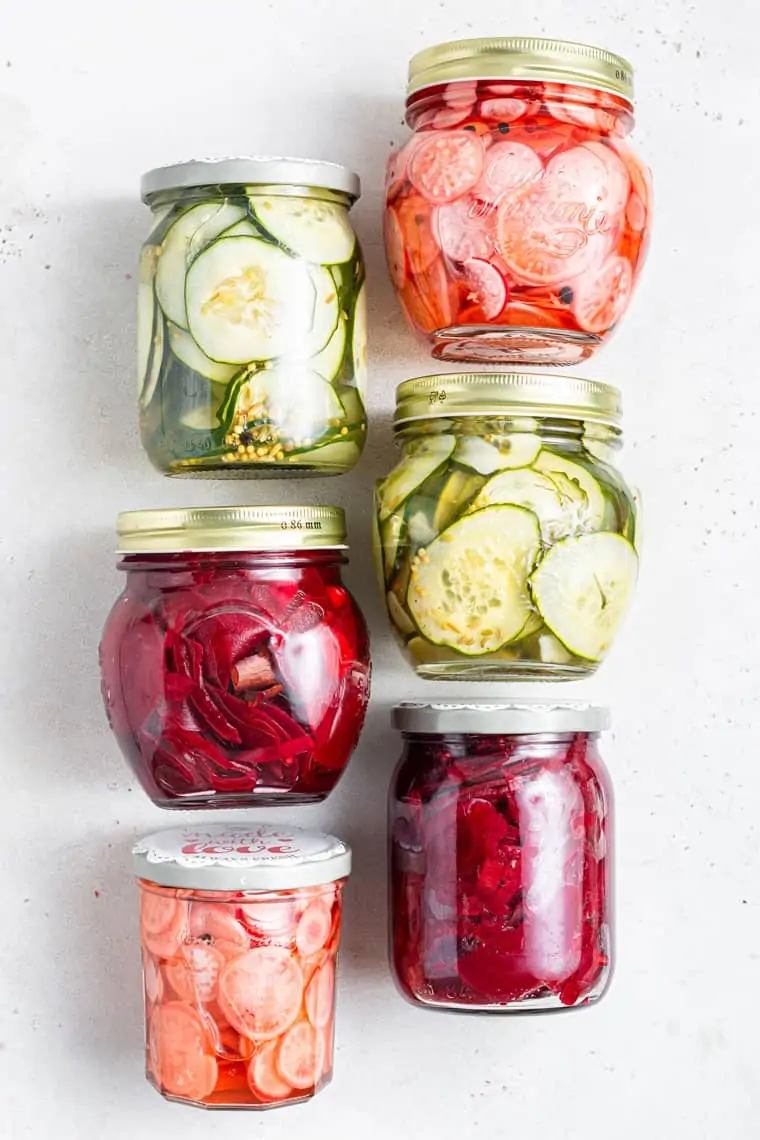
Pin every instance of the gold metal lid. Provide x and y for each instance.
(518, 57)
(230, 528)
(507, 394)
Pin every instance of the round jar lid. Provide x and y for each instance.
(507, 393)
(479, 718)
(524, 58)
(240, 857)
(304, 172)
(230, 528)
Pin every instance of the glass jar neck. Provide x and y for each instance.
(227, 560)
(552, 431)
(584, 106)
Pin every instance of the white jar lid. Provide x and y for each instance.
(240, 857)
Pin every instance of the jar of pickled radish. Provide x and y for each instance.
(252, 325)
(235, 664)
(501, 850)
(506, 538)
(517, 215)
(240, 927)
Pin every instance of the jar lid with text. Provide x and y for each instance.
(479, 718)
(194, 529)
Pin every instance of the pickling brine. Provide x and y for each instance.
(517, 215)
(506, 539)
(252, 325)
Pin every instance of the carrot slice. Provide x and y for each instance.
(320, 995)
(260, 992)
(263, 1075)
(313, 928)
(299, 1060)
(215, 923)
(194, 973)
(178, 1054)
(163, 925)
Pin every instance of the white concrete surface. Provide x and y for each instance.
(91, 94)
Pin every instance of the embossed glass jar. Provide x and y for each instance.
(235, 665)
(240, 927)
(517, 215)
(252, 326)
(501, 856)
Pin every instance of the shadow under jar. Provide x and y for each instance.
(500, 854)
(252, 319)
(240, 927)
(506, 539)
(235, 665)
(517, 215)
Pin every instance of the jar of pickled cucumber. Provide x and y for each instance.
(506, 538)
(239, 929)
(517, 215)
(252, 326)
(501, 856)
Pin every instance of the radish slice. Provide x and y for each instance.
(260, 993)
(178, 1055)
(464, 229)
(487, 286)
(394, 248)
(320, 995)
(194, 974)
(451, 116)
(263, 1076)
(460, 93)
(511, 169)
(299, 1060)
(503, 110)
(313, 928)
(215, 923)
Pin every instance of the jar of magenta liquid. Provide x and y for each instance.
(500, 856)
(517, 214)
(235, 664)
(239, 927)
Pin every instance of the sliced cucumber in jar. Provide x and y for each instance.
(390, 537)
(551, 651)
(185, 349)
(359, 340)
(339, 453)
(582, 588)
(246, 228)
(190, 234)
(329, 362)
(519, 450)
(459, 488)
(156, 360)
(200, 418)
(411, 472)
(582, 494)
(317, 231)
(326, 311)
(398, 615)
(469, 588)
(248, 300)
(350, 398)
(146, 309)
(297, 405)
(525, 487)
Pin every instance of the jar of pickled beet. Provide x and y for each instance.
(235, 664)
(239, 927)
(252, 325)
(517, 215)
(506, 538)
(500, 855)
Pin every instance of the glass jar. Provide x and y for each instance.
(505, 536)
(501, 850)
(235, 665)
(240, 927)
(252, 322)
(517, 215)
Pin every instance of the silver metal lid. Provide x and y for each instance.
(481, 718)
(264, 170)
(240, 857)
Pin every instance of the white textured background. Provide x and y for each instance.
(92, 94)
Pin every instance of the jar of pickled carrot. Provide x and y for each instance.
(506, 538)
(252, 325)
(517, 215)
(501, 856)
(235, 665)
(240, 927)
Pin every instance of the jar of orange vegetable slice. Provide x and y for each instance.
(240, 926)
(517, 215)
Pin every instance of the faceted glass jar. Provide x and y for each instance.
(235, 678)
(501, 871)
(506, 542)
(517, 214)
(252, 325)
(239, 984)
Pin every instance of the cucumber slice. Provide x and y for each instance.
(146, 309)
(341, 453)
(156, 360)
(247, 300)
(518, 451)
(317, 231)
(398, 615)
(551, 651)
(245, 228)
(469, 589)
(411, 472)
(200, 418)
(185, 349)
(359, 340)
(390, 537)
(583, 495)
(528, 488)
(191, 232)
(356, 415)
(582, 589)
(326, 311)
(295, 402)
(458, 489)
(329, 362)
